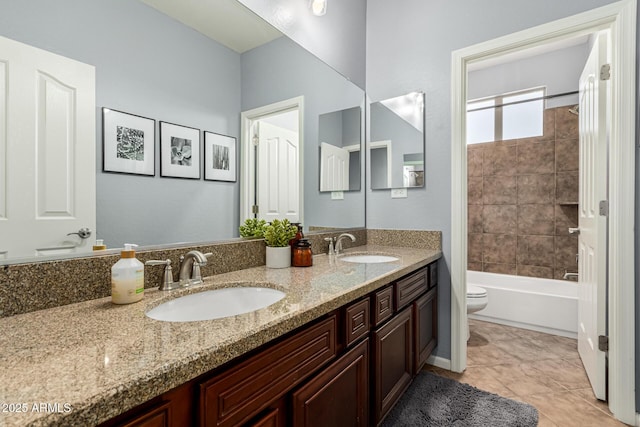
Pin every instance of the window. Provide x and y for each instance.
(508, 116)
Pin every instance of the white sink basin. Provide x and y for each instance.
(368, 259)
(215, 304)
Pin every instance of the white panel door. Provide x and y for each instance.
(47, 146)
(592, 248)
(334, 168)
(278, 164)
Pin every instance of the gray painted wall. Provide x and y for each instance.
(143, 67)
(281, 70)
(430, 32)
(337, 38)
(559, 71)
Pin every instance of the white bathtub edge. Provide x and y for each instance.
(522, 325)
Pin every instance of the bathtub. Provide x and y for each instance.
(543, 305)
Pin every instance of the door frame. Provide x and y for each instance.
(247, 154)
(620, 19)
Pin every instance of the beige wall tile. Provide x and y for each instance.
(566, 248)
(474, 248)
(474, 218)
(566, 217)
(474, 162)
(536, 251)
(499, 190)
(474, 190)
(536, 220)
(566, 124)
(499, 268)
(567, 187)
(500, 160)
(536, 189)
(536, 158)
(535, 271)
(567, 155)
(499, 219)
(499, 248)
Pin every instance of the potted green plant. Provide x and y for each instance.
(277, 235)
(253, 228)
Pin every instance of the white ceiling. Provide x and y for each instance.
(226, 21)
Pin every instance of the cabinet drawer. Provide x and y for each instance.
(383, 305)
(410, 288)
(159, 416)
(356, 321)
(433, 275)
(238, 394)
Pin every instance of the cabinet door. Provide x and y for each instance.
(392, 361)
(339, 395)
(425, 322)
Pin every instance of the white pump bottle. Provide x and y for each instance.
(127, 277)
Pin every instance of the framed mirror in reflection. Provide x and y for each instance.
(396, 148)
(339, 135)
(177, 74)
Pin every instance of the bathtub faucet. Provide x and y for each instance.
(569, 276)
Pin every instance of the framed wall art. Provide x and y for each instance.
(219, 157)
(179, 151)
(128, 143)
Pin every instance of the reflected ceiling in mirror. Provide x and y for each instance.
(397, 143)
(339, 134)
(151, 65)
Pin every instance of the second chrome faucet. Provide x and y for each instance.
(335, 244)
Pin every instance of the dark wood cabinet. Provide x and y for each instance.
(338, 396)
(347, 368)
(425, 324)
(238, 394)
(392, 361)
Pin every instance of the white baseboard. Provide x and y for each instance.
(439, 362)
(637, 419)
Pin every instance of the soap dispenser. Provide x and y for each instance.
(127, 277)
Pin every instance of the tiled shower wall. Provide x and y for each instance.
(523, 197)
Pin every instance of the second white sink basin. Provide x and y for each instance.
(368, 259)
(215, 304)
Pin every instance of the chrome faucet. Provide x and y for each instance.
(190, 264)
(569, 276)
(339, 241)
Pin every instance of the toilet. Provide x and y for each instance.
(477, 300)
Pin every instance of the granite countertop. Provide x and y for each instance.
(85, 363)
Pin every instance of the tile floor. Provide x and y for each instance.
(540, 369)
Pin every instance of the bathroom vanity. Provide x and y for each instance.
(339, 349)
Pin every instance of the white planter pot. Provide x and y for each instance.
(278, 257)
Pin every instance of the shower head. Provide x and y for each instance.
(575, 110)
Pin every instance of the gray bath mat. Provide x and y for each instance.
(432, 400)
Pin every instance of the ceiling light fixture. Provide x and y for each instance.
(318, 7)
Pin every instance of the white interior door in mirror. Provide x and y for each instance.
(278, 186)
(334, 168)
(47, 133)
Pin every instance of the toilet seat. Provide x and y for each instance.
(476, 292)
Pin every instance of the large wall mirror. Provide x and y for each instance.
(396, 147)
(149, 63)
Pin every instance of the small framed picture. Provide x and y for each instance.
(219, 157)
(128, 143)
(179, 151)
